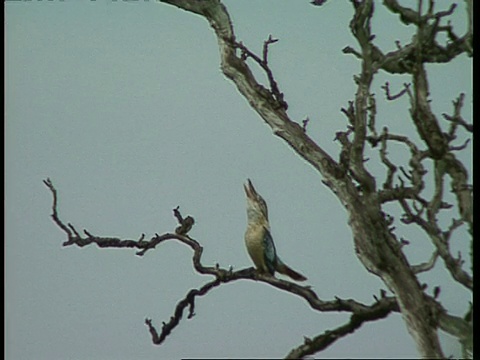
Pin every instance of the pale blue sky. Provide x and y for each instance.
(123, 105)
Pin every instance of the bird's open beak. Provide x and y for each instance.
(250, 190)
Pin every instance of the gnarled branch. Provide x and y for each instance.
(383, 306)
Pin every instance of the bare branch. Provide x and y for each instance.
(399, 61)
(436, 201)
(423, 117)
(349, 113)
(460, 187)
(426, 266)
(322, 341)
(383, 156)
(454, 225)
(185, 224)
(266, 44)
(318, 2)
(404, 58)
(74, 230)
(360, 27)
(459, 328)
(459, 147)
(382, 307)
(407, 16)
(189, 300)
(350, 50)
(372, 111)
(48, 183)
(453, 265)
(305, 123)
(263, 62)
(386, 87)
(415, 176)
(456, 119)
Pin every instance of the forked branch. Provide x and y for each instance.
(360, 312)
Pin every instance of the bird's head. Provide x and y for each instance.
(256, 206)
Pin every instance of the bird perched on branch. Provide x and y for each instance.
(258, 239)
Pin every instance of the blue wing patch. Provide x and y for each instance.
(270, 252)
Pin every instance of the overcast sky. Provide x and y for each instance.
(123, 105)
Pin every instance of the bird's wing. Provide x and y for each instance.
(269, 251)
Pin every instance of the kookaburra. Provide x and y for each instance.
(258, 239)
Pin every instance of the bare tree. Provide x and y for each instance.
(376, 241)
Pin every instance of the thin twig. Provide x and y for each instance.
(263, 63)
(426, 266)
(54, 215)
(386, 88)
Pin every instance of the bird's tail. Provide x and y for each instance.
(285, 270)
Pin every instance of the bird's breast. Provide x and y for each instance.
(255, 245)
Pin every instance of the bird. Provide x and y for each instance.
(258, 239)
